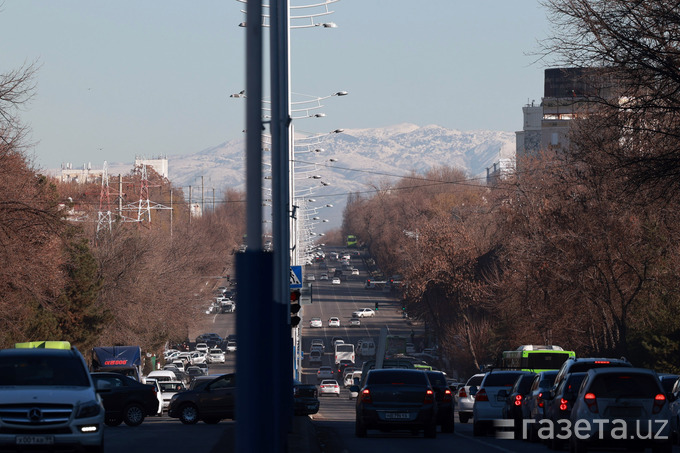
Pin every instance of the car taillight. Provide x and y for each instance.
(518, 400)
(461, 393)
(563, 404)
(447, 395)
(429, 397)
(591, 402)
(366, 396)
(539, 399)
(481, 395)
(659, 401)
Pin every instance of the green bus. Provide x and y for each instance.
(351, 240)
(536, 358)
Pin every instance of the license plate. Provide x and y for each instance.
(35, 440)
(500, 398)
(396, 415)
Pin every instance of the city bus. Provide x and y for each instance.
(351, 240)
(536, 358)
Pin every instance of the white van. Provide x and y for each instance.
(162, 375)
(367, 348)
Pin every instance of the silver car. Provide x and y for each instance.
(465, 400)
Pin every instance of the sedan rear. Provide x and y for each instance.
(329, 387)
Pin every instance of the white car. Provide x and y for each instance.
(319, 343)
(231, 346)
(203, 347)
(363, 313)
(334, 322)
(354, 322)
(329, 387)
(323, 277)
(489, 404)
(198, 357)
(216, 356)
(157, 385)
(355, 271)
(311, 278)
(335, 281)
(324, 372)
(315, 322)
(168, 390)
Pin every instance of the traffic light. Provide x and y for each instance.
(376, 306)
(294, 307)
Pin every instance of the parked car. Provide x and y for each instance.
(363, 313)
(466, 397)
(329, 387)
(125, 399)
(395, 399)
(334, 322)
(305, 398)
(490, 399)
(325, 372)
(444, 399)
(631, 396)
(211, 402)
(315, 322)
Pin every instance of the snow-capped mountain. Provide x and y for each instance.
(362, 159)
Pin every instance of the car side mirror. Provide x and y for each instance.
(473, 390)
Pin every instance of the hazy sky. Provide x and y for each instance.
(128, 77)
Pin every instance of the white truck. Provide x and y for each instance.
(344, 351)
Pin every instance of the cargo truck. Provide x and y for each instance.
(125, 360)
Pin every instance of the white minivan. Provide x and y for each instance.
(367, 348)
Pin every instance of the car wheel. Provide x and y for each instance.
(477, 429)
(431, 431)
(359, 429)
(211, 420)
(113, 421)
(188, 414)
(133, 415)
(464, 418)
(448, 426)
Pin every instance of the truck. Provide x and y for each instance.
(344, 351)
(125, 360)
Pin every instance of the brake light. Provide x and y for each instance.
(447, 395)
(591, 402)
(481, 395)
(461, 393)
(366, 396)
(603, 362)
(539, 399)
(429, 397)
(659, 401)
(563, 404)
(518, 400)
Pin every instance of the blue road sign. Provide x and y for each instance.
(295, 277)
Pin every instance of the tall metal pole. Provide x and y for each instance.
(280, 123)
(254, 271)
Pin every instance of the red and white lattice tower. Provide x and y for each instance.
(144, 208)
(104, 218)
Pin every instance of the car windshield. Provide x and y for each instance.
(43, 370)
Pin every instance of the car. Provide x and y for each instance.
(394, 399)
(197, 357)
(305, 398)
(355, 271)
(576, 365)
(533, 404)
(163, 375)
(125, 399)
(202, 347)
(615, 400)
(354, 386)
(155, 383)
(48, 399)
(316, 356)
(354, 322)
(325, 372)
(515, 400)
(231, 346)
(334, 322)
(216, 355)
(490, 399)
(366, 348)
(342, 365)
(410, 348)
(323, 277)
(168, 389)
(558, 404)
(211, 402)
(668, 381)
(200, 381)
(466, 397)
(193, 372)
(311, 278)
(315, 322)
(444, 400)
(364, 313)
(347, 376)
(335, 281)
(329, 387)
(336, 341)
(319, 342)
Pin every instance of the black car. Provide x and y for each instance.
(559, 401)
(125, 400)
(514, 400)
(444, 400)
(211, 402)
(396, 399)
(305, 398)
